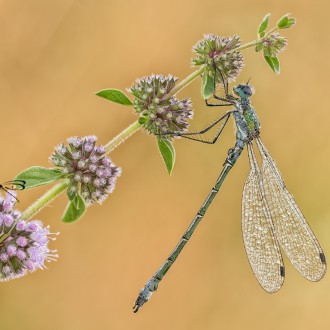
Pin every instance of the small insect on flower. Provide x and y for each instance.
(91, 173)
(23, 244)
(13, 185)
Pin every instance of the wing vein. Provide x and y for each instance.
(258, 233)
(291, 228)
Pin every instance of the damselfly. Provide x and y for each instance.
(12, 185)
(270, 216)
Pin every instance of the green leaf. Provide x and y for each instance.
(74, 210)
(115, 95)
(142, 120)
(273, 62)
(263, 25)
(207, 86)
(37, 176)
(291, 21)
(285, 22)
(168, 153)
(282, 21)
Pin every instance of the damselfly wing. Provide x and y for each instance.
(13, 185)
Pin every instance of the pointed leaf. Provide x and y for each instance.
(282, 21)
(115, 95)
(263, 25)
(168, 153)
(288, 24)
(285, 22)
(207, 86)
(291, 21)
(37, 176)
(74, 210)
(274, 63)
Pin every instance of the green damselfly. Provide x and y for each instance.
(270, 216)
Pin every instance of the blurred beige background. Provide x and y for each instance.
(54, 56)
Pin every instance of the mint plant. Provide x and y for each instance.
(84, 169)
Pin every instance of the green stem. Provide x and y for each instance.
(183, 83)
(271, 31)
(252, 43)
(248, 45)
(121, 137)
(44, 200)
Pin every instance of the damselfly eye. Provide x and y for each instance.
(247, 89)
(243, 91)
(237, 90)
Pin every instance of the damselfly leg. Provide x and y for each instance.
(229, 101)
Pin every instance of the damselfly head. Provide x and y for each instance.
(243, 90)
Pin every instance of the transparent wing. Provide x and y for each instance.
(14, 185)
(260, 243)
(291, 229)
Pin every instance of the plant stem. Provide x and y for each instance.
(183, 83)
(248, 45)
(252, 43)
(44, 200)
(121, 137)
(270, 32)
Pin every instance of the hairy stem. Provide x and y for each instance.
(44, 200)
(122, 136)
(183, 83)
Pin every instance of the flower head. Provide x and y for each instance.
(23, 245)
(91, 173)
(160, 113)
(272, 44)
(219, 52)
